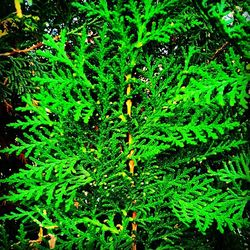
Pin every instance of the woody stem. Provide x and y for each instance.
(131, 162)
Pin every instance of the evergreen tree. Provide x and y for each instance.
(138, 133)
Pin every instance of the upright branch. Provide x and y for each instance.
(131, 162)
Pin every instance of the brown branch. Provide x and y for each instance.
(5, 81)
(40, 44)
(218, 51)
(8, 106)
(20, 51)
(90, 39)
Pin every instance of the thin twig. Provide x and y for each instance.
(19, 51)
(40, 44)
(218, 51)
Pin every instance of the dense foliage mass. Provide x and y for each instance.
(137, 133)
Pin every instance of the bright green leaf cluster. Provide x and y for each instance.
(185, 110)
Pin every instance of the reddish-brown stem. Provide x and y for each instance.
(20, 51)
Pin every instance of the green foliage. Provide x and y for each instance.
(18, 77)
(231, 19)
(237, 168)
(4, 240)
(185, 110)
(23, 243)
(6, 243)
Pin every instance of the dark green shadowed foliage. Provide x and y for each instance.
(188, 125)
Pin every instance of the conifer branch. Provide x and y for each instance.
(107, 108)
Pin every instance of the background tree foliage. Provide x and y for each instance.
(18, 64)
(187, 62)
